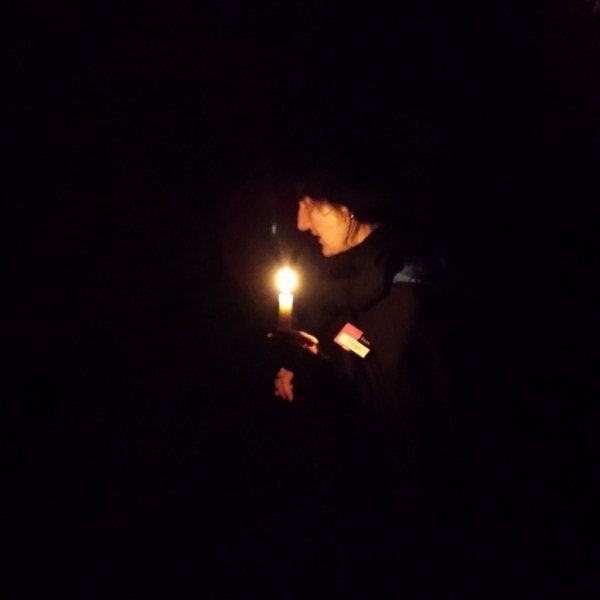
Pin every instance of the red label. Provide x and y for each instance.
(349, 329)
(348, 338)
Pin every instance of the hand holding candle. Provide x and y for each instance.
(286, 282)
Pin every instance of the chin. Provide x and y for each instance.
(329, 251)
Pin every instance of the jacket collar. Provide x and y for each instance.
(354, 280)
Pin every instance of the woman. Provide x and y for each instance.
(370, 381)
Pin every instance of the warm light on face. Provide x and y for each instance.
(286, 280)
(325, 222)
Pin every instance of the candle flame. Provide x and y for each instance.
(286, 280)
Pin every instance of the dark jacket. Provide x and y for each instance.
(387, 418)
(401, 386)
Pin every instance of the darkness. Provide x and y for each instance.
(149, 147)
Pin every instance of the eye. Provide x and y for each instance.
(306, 204)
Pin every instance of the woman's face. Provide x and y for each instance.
(325, 222)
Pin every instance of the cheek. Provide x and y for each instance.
(335, 237)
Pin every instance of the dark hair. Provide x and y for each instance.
(363, 198)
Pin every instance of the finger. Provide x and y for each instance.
(283, 387)
(280, 390)
(309, 342)
(311, 339)
(312, 348)
(277, 382)
(287, 389)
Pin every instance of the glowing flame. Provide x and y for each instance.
(286, 280)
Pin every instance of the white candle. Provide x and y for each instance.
(286, 281)
(286, 301)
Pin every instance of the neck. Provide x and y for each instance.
(363, 231)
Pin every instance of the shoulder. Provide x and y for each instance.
(405, 317)
(403, 303)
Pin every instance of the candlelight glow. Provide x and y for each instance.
(286, 280)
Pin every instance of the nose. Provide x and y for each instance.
(302, 220)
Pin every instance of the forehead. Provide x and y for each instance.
(310, 205)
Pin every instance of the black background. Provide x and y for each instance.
(146, 149)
